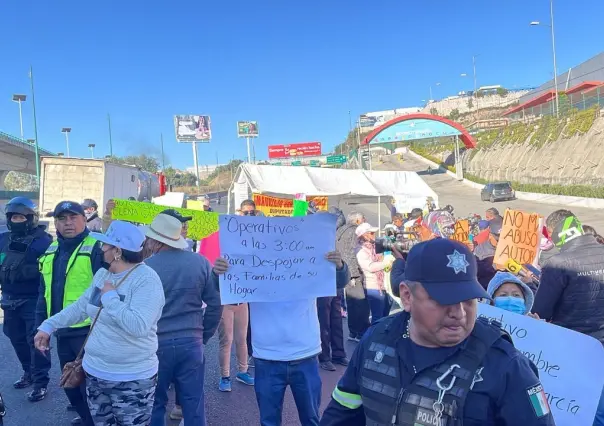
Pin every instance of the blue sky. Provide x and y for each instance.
(295, 67)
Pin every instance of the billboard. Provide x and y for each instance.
(247, 129)
(418, 128)
(376, 119)
(305, 149)
(193, 128)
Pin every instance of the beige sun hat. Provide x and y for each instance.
(166, 229)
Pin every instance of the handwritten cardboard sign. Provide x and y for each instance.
(461, 231)
(519, 238)
(277, 259)
(202, 224)
(275, 206)
(567, 362)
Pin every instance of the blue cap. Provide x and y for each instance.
(68, 206)
(446, 269)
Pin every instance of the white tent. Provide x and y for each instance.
(338, 184)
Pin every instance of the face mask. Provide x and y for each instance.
(18, 228)
(105, 264)
(511, 303)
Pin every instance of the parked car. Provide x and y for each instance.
(497, 191)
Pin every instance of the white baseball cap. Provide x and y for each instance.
(122, 234)
(363, 228)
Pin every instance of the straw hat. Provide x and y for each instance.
(166, 229)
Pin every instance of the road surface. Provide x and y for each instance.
(239, 407)
(466, 200)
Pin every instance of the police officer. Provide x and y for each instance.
(93, 222)
(20, 249)
(435, 363)
(67, 269)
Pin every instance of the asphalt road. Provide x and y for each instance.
(239, 407)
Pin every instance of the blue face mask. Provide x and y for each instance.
(511, 303)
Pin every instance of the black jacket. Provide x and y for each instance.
(25, 283)
(62, 256)
(571, 292)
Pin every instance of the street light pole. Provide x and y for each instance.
(91, 146)
(163, 158)
(33, 102)
(551, 12)
(551, 26)
(66, 131)
(110, 136)
(19, 99)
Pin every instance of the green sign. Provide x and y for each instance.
(277, 164)
(315, 163)
(296, 163)
(336, 159)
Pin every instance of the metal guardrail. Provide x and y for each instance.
(22, 143)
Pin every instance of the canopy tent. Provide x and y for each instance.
(338, 184)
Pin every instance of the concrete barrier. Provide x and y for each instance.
(566, 200)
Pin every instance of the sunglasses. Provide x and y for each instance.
(249, 213)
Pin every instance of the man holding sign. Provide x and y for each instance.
(282, 274)
(435, 363)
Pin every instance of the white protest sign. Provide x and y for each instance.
(569, 363)
(273, 259)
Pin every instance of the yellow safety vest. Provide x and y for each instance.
(79, 274)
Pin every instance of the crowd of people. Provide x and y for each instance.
(133, 307)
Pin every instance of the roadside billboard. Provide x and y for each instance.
(377, 118)
(305, 149)
(247, 129)
(193, 128)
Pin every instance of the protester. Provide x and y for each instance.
(184, 220)
(358, 306)
(571, 291)
(373, 268)
(20, 249)
(492, 213)
(233, 326)
(484, 250)
(67, 269)
(188, 282)
(508, 292)
(397, 221)
(93, 222)
(395, 375)
(329, 309)
(125, 300)
(589, 230)
(206, 204)
(279, 364)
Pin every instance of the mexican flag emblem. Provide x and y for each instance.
(538, 400)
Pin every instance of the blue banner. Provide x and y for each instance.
(414, 129)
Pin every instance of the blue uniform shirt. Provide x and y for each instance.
(502, 397)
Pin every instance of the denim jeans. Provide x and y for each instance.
(379, 304)
(181, 361)
(273, 377)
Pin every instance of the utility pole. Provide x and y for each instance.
(110, 137)
(163, 159)
(33, 102)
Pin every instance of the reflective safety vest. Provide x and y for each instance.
(383, 399)
(78, 274)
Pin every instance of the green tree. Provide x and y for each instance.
(454, 114)
(502, 91)
(17, 181)
(143, 161)
(470, 103)
(433, 111)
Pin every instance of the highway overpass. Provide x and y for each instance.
(17, 155)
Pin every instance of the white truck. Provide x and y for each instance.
(76, 179)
